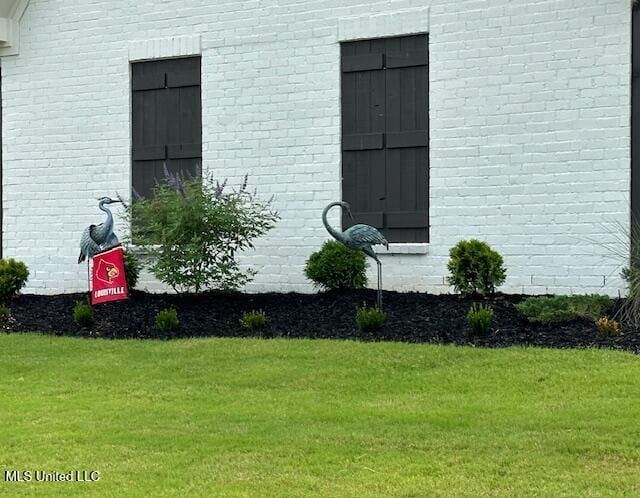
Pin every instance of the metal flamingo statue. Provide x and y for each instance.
(360, 237)
(97, 238)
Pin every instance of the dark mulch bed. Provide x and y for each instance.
(411, 317)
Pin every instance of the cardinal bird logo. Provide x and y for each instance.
(107, 272)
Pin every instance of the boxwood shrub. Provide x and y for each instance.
(336, 266)
(13, 277)
(475, 268)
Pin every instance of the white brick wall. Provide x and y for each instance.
(529, 126)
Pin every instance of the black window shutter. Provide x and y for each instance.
(385, 135)
(166, 121)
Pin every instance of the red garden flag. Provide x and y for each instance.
(108, 282)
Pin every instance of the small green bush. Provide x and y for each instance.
(83, 314)
(608, 327)
(131, 269)
(555, 309)
(5, 318)
(480, 318)
(369, 319)
(13, 277)
(167, 321)
(475, 268)
(336, 266)
(254, 320)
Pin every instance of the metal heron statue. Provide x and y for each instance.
(360, 237)
(97, 238)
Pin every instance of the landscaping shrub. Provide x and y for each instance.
(193, 231)
(254, 320)
(475, 268)
(336, 266)
(167, 321)
(631, 305)
(83, 314)
(554, 309)
(369, 319)
(480, 318)
(623, 244)
(131, 268)
(13, 277)
(630, 310)
(608, 327)
(6, 319)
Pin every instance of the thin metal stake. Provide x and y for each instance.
(379, 285)
(89, 278)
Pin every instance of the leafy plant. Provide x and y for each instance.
(194, 229)
(554, 309)
(6, 320)
(83, 314)
(167, 321)
(608, 327)
(254, 320)
(480, 318)
(131, 268)
(475, 268)
(623, 245)
(369, 319)
(629, 312)
(13, 277)
(336, 266)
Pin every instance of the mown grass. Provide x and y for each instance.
(239, 417)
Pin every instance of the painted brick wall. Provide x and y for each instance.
(529, 127)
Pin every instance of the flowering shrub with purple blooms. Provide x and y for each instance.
(194, 229)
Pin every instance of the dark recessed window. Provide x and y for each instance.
(385, 135)
(166, 121)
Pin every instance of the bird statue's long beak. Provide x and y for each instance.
(350, 215)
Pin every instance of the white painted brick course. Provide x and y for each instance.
(529, 118)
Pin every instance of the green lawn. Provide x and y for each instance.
(237, 417)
